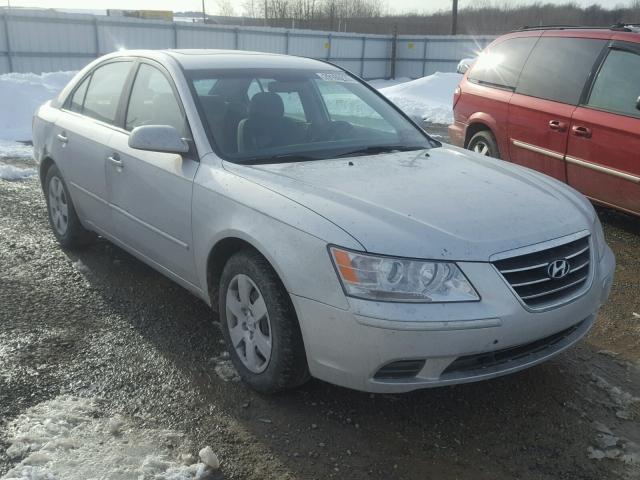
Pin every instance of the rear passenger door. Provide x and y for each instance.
(547, 93)
(83, 131)
(150, 192)
(603, 155)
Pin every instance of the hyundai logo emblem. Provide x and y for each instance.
(558, 269)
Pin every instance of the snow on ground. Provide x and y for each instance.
(11, 172)
(14, 151)
(427, 99)
(67, 438)
(21, 94)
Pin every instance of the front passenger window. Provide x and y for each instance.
(153, 102)
(617, 88)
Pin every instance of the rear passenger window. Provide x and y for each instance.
(500, 65)
(153, 102)
(105, 89)
(77, 100)
(558, 68)
(617, 87)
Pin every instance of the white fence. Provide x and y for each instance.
(43, 41)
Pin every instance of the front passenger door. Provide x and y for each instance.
(603, 156)
(150, 192)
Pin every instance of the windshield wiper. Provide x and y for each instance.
(375, 149)
(278, 158)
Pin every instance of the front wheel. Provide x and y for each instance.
(485, 144)
(260, 326)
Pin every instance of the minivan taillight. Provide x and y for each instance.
(457, 93)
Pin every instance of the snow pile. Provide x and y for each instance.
(21, 94)
(66, 438)
(11, 172)
(10, 149)
(427, 99)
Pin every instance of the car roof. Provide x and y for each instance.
(198, 59)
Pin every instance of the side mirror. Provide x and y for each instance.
(464, 65)
(158, 138)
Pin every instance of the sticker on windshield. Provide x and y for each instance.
(335, 77)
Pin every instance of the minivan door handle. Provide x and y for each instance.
(580, 131)
(557, 125)
(62, 137)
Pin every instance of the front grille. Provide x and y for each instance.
(528, 274)
(483, 361)
(400, 369)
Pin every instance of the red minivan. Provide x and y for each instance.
(563, 101)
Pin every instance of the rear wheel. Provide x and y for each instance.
(63, 219)
(260, 325)
(484, 143)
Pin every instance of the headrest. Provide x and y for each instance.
(266, 105)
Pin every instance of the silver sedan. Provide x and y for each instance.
(333, 236)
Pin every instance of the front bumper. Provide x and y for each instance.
(349, 347)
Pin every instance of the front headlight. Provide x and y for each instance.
(391, 279)
(598, 234)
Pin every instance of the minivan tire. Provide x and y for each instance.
(62, 212)
(286, 367)
(485, 144)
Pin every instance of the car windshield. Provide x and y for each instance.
(286, 115)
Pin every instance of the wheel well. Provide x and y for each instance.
(45, 165)
(220, 253)
(473, 129)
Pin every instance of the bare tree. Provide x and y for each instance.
(225, 8)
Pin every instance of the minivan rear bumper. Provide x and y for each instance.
(388, 347)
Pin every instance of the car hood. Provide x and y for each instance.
(444, 203)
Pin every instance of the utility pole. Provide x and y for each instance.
(266, 12)
(454, 18)
(204, 13)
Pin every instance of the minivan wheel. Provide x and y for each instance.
(63, 219)
(260, 326)
(485, 144)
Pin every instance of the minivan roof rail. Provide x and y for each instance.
(618, 27)
(558, 27)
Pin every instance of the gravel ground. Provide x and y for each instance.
(100, 324)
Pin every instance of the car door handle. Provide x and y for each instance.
(62, 137)
(580, 131)
(557, 125)
(115, 159)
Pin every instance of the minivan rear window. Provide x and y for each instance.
(558, 68)
(500, 65)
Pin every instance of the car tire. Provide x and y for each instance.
(484, 143)
(63, 219)
(260, 325)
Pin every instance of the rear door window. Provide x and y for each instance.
(500, 65)
(105, 89)
(558, 68)
(617, 86)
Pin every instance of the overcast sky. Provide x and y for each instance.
(398, 6)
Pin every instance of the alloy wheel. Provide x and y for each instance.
(58, 206)
(248, 323)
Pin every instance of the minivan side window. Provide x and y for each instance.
(105, 89)
(153, 102)
(500, 65)
(558, 68)
(617, 87)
